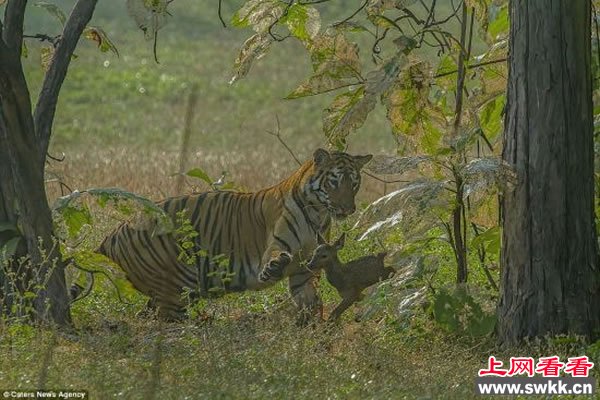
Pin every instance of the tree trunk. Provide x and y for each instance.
(23, 197)
(24, 140)
(549, 258)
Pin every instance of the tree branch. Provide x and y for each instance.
(477, 65)
(12, 33)
(57, 71)
(278, 136)
(221, 15)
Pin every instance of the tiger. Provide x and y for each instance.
(265, 236)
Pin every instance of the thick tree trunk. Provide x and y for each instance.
(550, 281)
(23, 196)
(24, 140)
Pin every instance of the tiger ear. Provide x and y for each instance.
(321, 156)
(320, 239)
(362, 160)
(339, 244)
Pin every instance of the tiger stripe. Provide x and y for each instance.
(263, 235)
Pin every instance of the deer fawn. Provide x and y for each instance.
(351, 278)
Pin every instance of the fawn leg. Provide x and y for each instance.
(343, 306)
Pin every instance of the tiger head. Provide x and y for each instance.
(336, 180)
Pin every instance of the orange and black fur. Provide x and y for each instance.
(264, 235)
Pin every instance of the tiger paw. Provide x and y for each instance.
(273, 271)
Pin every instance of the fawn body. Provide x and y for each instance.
(351, 278)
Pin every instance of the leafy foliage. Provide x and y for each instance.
(73, 210)
(445, 114)
(459, 312)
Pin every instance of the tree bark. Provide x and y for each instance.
(549, 258)
(24, 196)
(24, 139)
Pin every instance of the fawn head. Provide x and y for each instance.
(326, 254)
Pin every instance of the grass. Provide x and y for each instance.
(236, 354)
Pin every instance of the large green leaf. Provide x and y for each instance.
(258, 14)
(75, 217)
(199, 173)
(490, 117)
(253, 49)
(302, 21)
(349, 110)
(335, 63)
(74, 209)
(490, 240)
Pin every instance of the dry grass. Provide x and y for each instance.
(237, 354)
(150, 172)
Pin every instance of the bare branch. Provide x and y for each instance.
(42, 37)
(477, 65)
(364, 4)
(12, 33)
(278, 136)
(384, 180)
(57, 71)
(221, 15)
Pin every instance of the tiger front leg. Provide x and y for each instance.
(304, 288)
(273, 270)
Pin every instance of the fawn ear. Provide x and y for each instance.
(362, 160)
(340, 242)
(320, 239)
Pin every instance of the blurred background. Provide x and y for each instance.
(120, 119)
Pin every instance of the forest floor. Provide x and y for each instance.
(248, 346)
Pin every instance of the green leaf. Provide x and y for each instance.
(102, 196)
(499, 24)
(253, 49)
(302, 21)
(347, 112)
(75, 218)
(97, 35)
(258, 14)
(335, 64)
(490, 240)
(53, 10)
(490, 117)
(200, 174)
